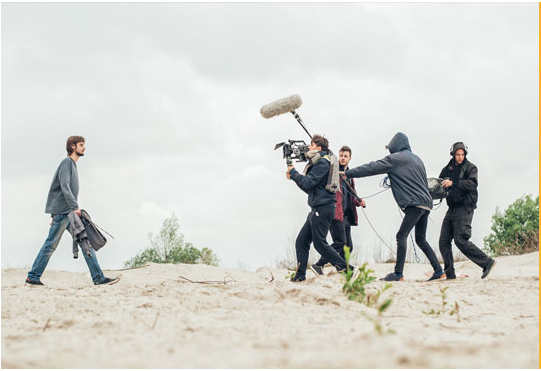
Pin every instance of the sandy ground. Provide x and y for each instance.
(153, 318)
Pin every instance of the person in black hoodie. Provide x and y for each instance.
(322, 202)
(409, 185)
(461, 176)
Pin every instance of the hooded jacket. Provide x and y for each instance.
(406, 172)
(463, 192)
(314, 182)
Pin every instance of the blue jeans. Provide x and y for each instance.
(60, 224)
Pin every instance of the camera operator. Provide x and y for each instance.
(461, 176)
(409, 185)
(322, 201)
(345, 215)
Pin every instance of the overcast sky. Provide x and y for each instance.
(168, 96)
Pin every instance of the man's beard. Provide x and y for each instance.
(80, 154)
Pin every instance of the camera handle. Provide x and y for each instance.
(301, 123)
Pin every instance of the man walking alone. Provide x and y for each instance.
(62, 200)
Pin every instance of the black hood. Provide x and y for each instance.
(399, 143)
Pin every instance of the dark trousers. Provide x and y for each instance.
(315, 230)
(341, 235)
(457, 225)
(418, 218)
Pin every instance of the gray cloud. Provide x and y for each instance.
(168, 97)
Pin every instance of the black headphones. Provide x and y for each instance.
(453, 148)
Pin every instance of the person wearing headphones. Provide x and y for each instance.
(460, 175)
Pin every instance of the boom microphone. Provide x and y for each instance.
(284, 105)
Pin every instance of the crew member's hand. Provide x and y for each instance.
(447, 183)
(51, 222)
(363, 204)
(342, 173)
(78, 212)
(288, 170)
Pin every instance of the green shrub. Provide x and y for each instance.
(516, 231)
(168, 246)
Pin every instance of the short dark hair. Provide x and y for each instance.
(321, 141)
(345, 149)
(73, 140)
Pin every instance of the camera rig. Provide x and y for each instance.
(293, 150)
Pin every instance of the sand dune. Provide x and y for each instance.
(153, 318)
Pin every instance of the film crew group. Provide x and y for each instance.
(320, 182)
(66, 215)
(460, 176)
(345, 214)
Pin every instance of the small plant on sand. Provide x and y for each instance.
(443, 302)
(291, 273)
(378, 320)
(356, 289)
(454, 311)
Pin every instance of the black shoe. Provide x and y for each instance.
(450, 275)
(107, 280)
(317, 269)
(393, 277)
(437, 277)
(488, 268)
(32, 282)
(298, 278)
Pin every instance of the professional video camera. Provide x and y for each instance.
(294, 150)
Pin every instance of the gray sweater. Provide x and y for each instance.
(64, 189)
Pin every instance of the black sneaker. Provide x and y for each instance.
(298, 278)
(317, 269)
(437, 276)
(450, 275)
(393, 277)
(32, 282)
(488, 268)
(107, 281)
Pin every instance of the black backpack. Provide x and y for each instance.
(96, 239)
